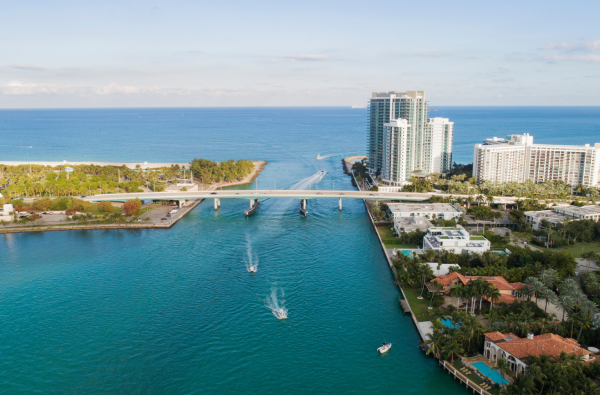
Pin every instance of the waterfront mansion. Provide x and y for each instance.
(456, 239)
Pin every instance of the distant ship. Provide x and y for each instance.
(359, 107)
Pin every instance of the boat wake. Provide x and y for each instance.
(252, 262)
(319, 156)
(277, 304)
(308, 182)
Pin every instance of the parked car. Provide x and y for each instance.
(163, 219)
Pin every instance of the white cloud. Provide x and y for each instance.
(590, 46)
(305, 58)
(430, 55)
(573, 58)
(113, 88)
(562, 46)
(19, 88)
(25, 67)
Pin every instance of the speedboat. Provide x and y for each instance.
(319, 157)
(280, 313)
(384, 347)
(252, 268)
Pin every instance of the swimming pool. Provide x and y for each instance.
(407, 252)
(492, 374)
(449, 323)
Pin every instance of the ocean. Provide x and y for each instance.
(175, 311)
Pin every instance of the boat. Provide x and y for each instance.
(253, 209)
(252, 268)
(280, 313)
(303, 211)
(384, 347)
(319, 157)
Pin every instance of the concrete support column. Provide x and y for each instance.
(340, 204)
(217, 204)
(304, 204)
(181, 203)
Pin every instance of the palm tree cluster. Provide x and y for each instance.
(475, 290)
(564, 374)
(465, 337)
(38, 181)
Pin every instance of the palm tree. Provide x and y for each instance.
(469, 202)
(435, 342)
(549, 277)
(547, 295)
(458, 291)
(567, 303)
(589, 256)
(494, 295)
(436, 287)
(504, 367)
(534, 286)
(568, 287)
(453, 349)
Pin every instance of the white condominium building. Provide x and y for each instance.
(517, 159)
(402, 141)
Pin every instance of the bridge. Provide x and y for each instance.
(280, 194)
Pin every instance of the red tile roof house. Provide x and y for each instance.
(508, 291)
(516, 350)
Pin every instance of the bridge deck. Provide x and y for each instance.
(278, 194)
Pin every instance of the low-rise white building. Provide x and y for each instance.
(411, 224)
(7, 213)
(535, 218)
(428, 210)
(457, 240)
(561, 214)
(573, 212)
(444, 268)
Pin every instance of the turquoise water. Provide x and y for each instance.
(493, 374)
(175, 311)
(449, 323)
(407, 252)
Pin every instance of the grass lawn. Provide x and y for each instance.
(390, 241)
(418, 306)
(575, 249)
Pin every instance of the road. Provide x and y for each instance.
(283, 194)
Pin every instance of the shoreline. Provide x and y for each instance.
(445, 365)
(130, 165)
(258, 167)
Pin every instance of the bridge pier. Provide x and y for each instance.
(217, 203)
(340, 204)
(180, 203)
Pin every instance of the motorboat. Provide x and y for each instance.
(252, 268)
(280, 313)
(384, 347)
(319, 157)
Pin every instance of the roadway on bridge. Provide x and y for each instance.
(279, 194)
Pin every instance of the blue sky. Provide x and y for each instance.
(303, 53)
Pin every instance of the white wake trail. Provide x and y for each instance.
(276, 303)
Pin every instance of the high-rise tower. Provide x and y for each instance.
(402, 141)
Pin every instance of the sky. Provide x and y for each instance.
(68, 54)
